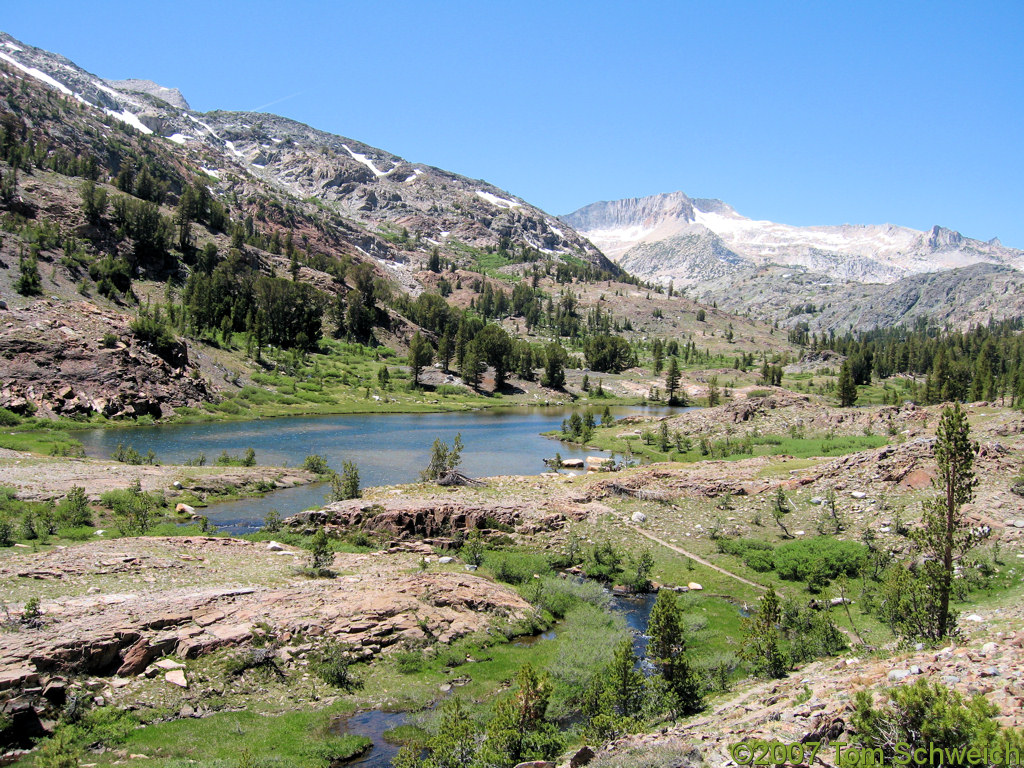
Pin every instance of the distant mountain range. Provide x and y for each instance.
(673, 237)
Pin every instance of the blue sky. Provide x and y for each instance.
(800, 112)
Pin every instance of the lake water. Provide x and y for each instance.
(387, 448)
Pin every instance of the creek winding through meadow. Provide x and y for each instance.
(388, 448)
(374, 723)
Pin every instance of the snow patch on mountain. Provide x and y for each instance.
(500, 202)
(131, 119)
(707, 229)
(368, 163)
(37, 74)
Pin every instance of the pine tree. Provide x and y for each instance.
(714, 394)
(472, 365)
(420, 355)
(945, 536)
(28, 283)
(761, 638)
(554, 366)
(94, 202)
(672, 380)
(624, 682)
(847, 389)
(667, 651)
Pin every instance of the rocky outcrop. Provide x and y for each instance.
(117, 635)
(428, 518)
(58, 360)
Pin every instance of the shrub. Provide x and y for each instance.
(321, 555)
(272, 521)
(346, 485)
(6, 533)
(334, 750)
(132, 507)
(473, 550)
(819, 560)
(360, 539)
(131, 456)
(930, 714)
(332, 666)
(516, 567)
(9, 418)
(74, 511)
(79, 533)
(316, 464)
(559, 596)
(409, 662)
(248, 460)
(604, 562)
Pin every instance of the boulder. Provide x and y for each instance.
(184, 509)
(694, 586)
(639, 517)
(137, 658)
(583, 756)
(176, 677)
(572, 463)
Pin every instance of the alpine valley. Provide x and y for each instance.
(745, 481)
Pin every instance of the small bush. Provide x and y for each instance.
(272, 521)
(409, 662)
(558, 596)
(819, 560)
(316, 464)
(334, 750)
(80, 533)
(128, 455)
(929, 713)
(74, 511)
(333, 667)
(516, 567)
(9, 418)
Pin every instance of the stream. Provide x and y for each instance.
(373, 723)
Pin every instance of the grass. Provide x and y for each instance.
(733, 449)
(293, 739)
(46, 441)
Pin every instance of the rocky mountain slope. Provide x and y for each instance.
(373, 189)
(956, 297)
(687, 231)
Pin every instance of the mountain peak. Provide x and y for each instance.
(172, 96)
(706, 227)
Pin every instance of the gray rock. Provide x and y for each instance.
(898, 674)
(445, 560)
(639, 517)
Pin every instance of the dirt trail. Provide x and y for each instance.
(697, 558)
